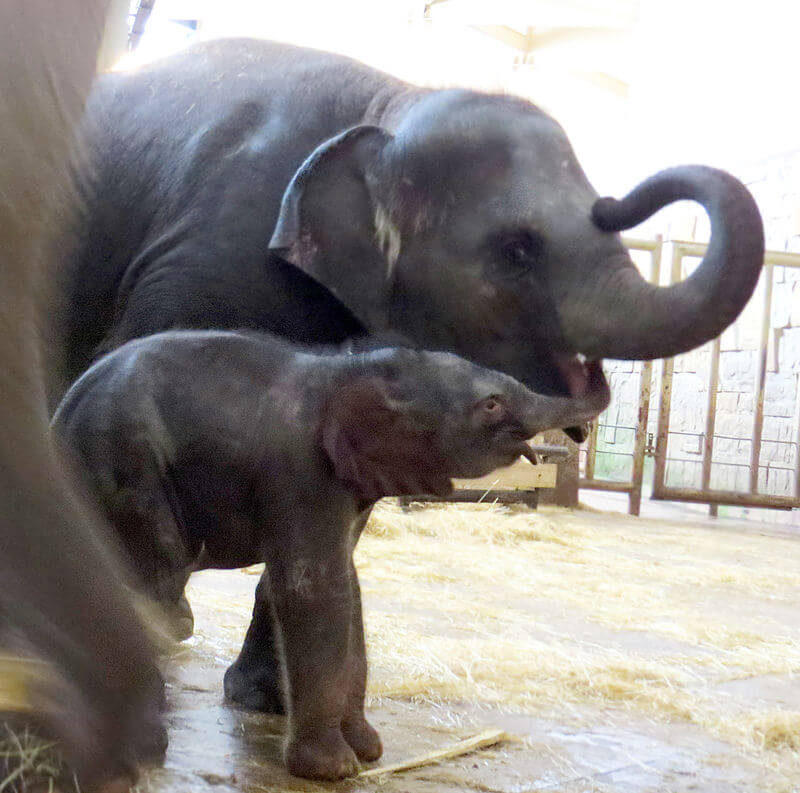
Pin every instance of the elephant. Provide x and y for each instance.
(248, 184)
(223, 449)
(62, 597)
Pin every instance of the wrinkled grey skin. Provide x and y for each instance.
(61, 593)
(451, 220)
(220, 449)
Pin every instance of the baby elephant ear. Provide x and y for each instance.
(376, 448)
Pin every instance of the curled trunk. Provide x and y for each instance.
(630, 318)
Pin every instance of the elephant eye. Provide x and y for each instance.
(492, 409)
(521, 248)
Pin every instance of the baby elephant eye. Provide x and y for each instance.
(492, 409)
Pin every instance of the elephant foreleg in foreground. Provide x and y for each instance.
(60, 590)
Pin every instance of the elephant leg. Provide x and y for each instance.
(144, 516)
(253, 681)
(358, 732)
(61, 588)
(311, 594)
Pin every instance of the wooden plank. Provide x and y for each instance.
(591, 449)
(731, 498)
(528, 497)
(606, 484)
(522, 475)
(645, 245)
(761, 377)
(699, 249)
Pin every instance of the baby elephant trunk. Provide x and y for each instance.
(555, 412)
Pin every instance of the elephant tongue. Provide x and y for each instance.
(582, 377)
(576, 373)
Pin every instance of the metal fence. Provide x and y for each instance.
(614, 457)
(746, 453)
(726, 429)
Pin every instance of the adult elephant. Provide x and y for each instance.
(247, 183)
(61, 587)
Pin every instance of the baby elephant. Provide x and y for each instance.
(223, 449)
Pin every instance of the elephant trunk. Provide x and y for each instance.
(630, 318)
(552, 412)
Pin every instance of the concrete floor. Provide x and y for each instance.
(601, 744)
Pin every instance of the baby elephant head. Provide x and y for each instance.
(406, 422)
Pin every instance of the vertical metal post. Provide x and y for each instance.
(758, 414)
(645, 386)
(711, 415)
(797, 443)
(635, 496)
(667, 369)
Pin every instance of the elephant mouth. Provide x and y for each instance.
(583, 378)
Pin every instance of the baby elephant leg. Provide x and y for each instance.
(312, 598)
(358, 732)
(253, 681)
(142, 514)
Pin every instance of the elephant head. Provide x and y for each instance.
(408, 424)
(465, 223)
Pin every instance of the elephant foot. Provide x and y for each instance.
(181, 619)
(323, 754)
(253, 689)
(363, 739)
(148, 733)
(150, 745)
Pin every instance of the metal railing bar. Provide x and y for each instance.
(761, 377)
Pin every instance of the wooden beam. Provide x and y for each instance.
(605, 484)
(731, 498)
(522, 475)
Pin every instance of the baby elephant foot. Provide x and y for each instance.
(253, 691)
(363, 739)
(321, 755)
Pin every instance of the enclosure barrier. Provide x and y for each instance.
(633, 486)
(705, 493)
(520, 481)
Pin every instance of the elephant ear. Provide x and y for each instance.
(376, 447)
(327, 223)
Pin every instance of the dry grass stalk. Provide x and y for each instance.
(29, 762)
(480, 741)
(559, 612)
